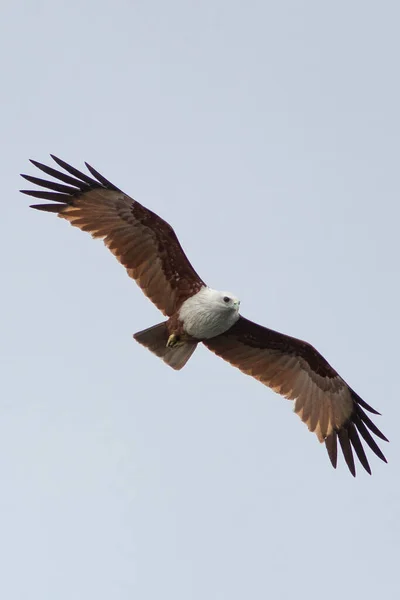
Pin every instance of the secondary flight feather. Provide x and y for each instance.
(150, 251)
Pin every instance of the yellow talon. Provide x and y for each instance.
(173, 340)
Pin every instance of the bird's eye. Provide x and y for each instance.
(226, 299)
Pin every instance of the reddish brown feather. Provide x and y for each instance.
(143, 242)
(323, 401)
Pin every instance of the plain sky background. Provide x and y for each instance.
(268, 135)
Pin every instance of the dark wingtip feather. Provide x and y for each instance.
(362, 403)
(368, 437)
(100, 178)
(370, 424)
(61, 176)
(55, 196)
(346, 449)
(52, 185)
(75, 172)
(331, 447)
(54, 208)
(76, 180)
(356, 443)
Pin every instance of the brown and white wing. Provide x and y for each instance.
(293, 368)
(143, 242)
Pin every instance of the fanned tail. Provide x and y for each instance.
(155, 339)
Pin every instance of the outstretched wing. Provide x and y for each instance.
(293, 368)
(143, 242)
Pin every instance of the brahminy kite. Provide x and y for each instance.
(150, 251)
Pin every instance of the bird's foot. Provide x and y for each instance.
(173, 341)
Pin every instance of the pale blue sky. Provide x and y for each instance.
(267, 134)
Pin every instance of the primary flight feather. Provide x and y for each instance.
(148, 248)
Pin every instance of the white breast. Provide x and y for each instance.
(204, 316)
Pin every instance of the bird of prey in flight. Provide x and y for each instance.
(150, 251)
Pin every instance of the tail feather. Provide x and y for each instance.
(155, 339)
